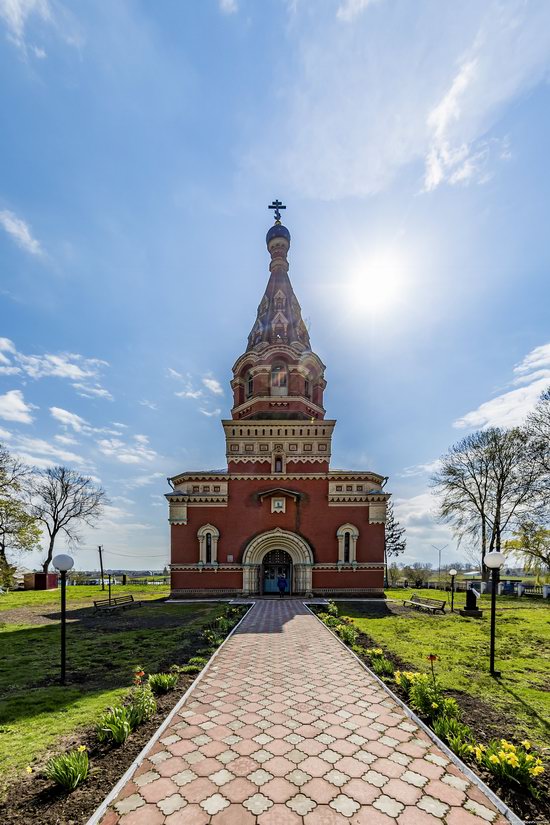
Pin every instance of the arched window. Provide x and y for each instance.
(307, 388)
(279, 384)
(249, 385)
(278, 465)
(347, 536)
(346, 548)
(208, 537)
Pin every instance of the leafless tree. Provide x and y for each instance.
(537, 426)
(62, 500)
(487, 483)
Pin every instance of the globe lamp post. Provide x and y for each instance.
(63, 563)
(494, 562)
(452, 574)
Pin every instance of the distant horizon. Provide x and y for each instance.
(143, 147)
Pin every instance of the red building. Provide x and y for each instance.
(278, 511)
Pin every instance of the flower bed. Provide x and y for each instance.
(514, 771)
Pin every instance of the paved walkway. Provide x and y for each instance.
(286, 728)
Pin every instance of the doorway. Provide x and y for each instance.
(276, 563)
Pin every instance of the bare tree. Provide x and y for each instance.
(486, 484)
(537, 426)
(395, 542)
(62, 500)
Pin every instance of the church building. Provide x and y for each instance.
(278, 515)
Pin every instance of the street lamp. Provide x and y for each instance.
(63, 563)
(494, 562)
(452, 573)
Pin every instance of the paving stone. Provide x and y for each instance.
(301, 804)
(286, 728)
(433, 806)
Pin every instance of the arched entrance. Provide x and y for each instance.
(293, 545)
(276, 563)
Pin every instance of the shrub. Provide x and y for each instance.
(68, 769)
(382, 666)
(191, 669)
(114, 726)
(162, 682)
(347, 634)
(197, 660)
(457, 735)
(513, 764)
(142, 706)
(329, 620)
(404, 679)
(426, 696)
(212, 637)
(332, 608)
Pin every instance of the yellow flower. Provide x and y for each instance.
(28, 769)
(494, 759)
(502, 754)
(526, 744)
(81, 748)
(478, 753)
(435, 705)
(529, 757)
(536, 771)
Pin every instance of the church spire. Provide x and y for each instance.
(278, 376)
(279, 317)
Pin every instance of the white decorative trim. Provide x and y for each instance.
(353, 532)
(202, 533)
(278, 539)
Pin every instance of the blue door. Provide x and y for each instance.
(275, 564)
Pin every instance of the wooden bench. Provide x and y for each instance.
(117, 603)
(423, 603)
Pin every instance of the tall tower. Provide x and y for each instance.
(278, 380)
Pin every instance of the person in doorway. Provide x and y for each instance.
(281, 584)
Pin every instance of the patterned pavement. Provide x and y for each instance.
(286, 728)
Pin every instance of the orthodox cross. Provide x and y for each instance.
(277, 205)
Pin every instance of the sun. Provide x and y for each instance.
(378, 283)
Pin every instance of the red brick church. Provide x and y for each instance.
(279, 511)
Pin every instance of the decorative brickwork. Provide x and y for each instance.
(279, 493)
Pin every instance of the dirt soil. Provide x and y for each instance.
(37, 801)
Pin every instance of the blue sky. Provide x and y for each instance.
(140, 145)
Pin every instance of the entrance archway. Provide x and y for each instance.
(282, 540)
(276, 564)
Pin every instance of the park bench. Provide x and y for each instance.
(117, 603)
(423, 603)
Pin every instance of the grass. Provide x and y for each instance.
(78, 593)
(101, 656)
(462, 647)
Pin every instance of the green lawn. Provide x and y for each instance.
(78, 593)
(462, 645)
(101, 654)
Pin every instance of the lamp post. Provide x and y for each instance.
(494, 562)
(63, 563)
(453, 573)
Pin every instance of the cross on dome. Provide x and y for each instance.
(277, 206)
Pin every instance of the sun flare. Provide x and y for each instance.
(378, 283)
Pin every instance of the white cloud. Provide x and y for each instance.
(5, 434)
(210, 413)
(411, 84)
(189, 394)
(128, 453)
(47, 452)
(510, 408)
(84, 372)
(67, 440)
(420, 469)
(14, 408)
(150, 404)
(228, 6)
(87, 391)
(69, 419)
(350, 9)
(16, 227)
(213, 385)
(16, 13)
(143, 480)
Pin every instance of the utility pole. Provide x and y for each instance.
(100, 548)
(439, 549)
